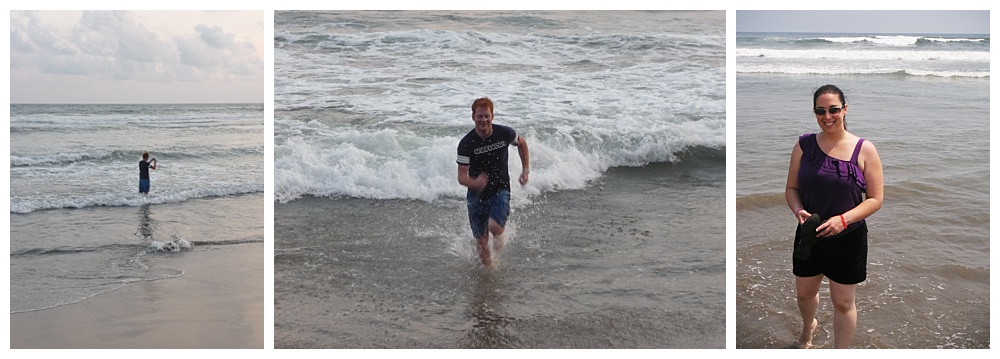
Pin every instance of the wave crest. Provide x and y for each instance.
(401, 164)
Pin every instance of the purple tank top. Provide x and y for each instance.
(829, 186)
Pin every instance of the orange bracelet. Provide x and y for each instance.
(843, 221)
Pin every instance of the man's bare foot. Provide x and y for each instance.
(491, 261)
(805, 339)
(483, 247)
(485, 256)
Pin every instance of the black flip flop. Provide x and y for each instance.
(807, 237)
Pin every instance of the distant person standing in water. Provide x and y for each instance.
(482, 167)
(144, 167)
(837, 177)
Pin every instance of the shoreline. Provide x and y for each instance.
(217, 303)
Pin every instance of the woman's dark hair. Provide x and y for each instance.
(825, 89)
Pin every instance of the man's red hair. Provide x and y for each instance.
(480, 102)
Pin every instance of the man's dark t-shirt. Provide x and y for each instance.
(488, 155)
(143, 170)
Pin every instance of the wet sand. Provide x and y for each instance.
(217, 303)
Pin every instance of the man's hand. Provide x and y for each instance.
(479, 182)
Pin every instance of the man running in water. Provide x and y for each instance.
(482, 167)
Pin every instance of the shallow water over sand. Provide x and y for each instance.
(635, 261)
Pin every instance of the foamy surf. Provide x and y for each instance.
(175, 245)
(27, 204)
(392, 164)
(204, 150)
(959, 56)
(585, 100)
(463, 246)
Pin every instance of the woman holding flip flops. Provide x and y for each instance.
(837, 177)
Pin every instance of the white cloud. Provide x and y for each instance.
(214, 36)
(108, 46)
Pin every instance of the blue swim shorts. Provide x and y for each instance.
(481, 210)
(144, 185)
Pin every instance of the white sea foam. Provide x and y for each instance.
(26, 204)
(880, 40)
(972, 64)
(75, 156)
(59, 158)
(403, 164)
(908, 55)
(380, 114)
(894, 40)
(819, 69)
(868, 55)
(173, 245)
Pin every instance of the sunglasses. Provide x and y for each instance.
(822, 111)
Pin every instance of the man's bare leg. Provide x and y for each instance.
(498, 238)
(484, 250)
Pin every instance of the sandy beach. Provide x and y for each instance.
(217, 303)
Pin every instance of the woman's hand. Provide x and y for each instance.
(833, 226)
(802, 215)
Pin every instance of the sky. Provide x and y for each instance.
(846, 21)
(137, 56)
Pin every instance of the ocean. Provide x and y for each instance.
(618, 239)
(79, 227)
(923, 100)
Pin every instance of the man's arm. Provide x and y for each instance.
(522, 151)
(475, 183)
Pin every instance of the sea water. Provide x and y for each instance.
(373, 104)
(80, 228)
(74, 156)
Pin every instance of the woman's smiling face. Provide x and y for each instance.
(830, 121)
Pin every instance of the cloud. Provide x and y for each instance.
(214, 36)
(117, 45)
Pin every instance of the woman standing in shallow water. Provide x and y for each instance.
(837, 176)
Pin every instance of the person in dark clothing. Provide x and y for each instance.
(144, 166)
(837, 176)
(482, 167)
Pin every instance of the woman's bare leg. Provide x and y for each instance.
(807, 293)
(845, 313)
